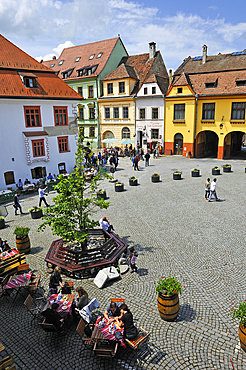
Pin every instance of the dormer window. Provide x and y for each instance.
(52, 65)
(210, 85)
(68, 73)
(179, 90)
(60, 63)
(29, 82)
(241, 83)
(77, 59)
(99, 55)
(86, 71)
(28, 79)
(92, 56)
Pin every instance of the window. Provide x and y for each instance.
(90, 91)
(238, 111)
(9, 177)
(92, 131)
(179, 111)
(77, 59)
(110, 88)
(60, 63)
(63, 144)
(154, 133)
(38, 172)
(67, 73)
(241, 83)
(116, 112)
(30, 82)
(52, 65)
(145, 91)
(80, 90)
(153, 90)
(125, 133)
(121, 87)
(60, 116)
(32, 116)
(210, 85)
(208, 111)
(180, 90)
(99, 55)
(87, 71)
(92, 56)
(91, 113)
(82, 130)
(125, 112)
(61, 168)
(142, 113)
(38, 148)
(154, 113)
(107, 113)
(81, 113)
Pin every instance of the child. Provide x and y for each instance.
(133, 262)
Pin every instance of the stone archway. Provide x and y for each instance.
(234, 144)
(207, 144)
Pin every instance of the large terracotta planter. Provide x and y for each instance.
(168, 306)
(23, 245)
(242, 336)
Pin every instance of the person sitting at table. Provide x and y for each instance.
(55, 281)
(19, 185)
(27, 182)
(50, 177)
(112, 311)
(105, 224)
(81, 301)
(126, 320)
(52, 316)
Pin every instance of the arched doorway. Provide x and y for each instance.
(234, 144)
(178, 144)
(207, 144)
(107, 135)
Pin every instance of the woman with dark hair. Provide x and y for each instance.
(55, 280)
(126, 320)
(82, 299)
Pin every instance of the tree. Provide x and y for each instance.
(76, 201)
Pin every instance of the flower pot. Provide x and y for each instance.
(176, 176)
(245, 169)
(155, 178)
(133, 183)
(102, 195)
(195, 173)
(215, 172)
(2, 223)
(242, 336)
(23, 245)
(37, 214)
(226, 169)
(168, 306)
(119, 188)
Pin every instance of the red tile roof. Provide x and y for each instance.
(15, 64)
(69, 55)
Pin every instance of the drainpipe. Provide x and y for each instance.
(194, 145)
(98, 127)
(134, 99)
(164, 104)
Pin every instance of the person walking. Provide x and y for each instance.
(154, 154)
(136, 159)
(207, 188)
(17, 204)
(41, 194)
(213, 191)
(147, 157)
(133, 262)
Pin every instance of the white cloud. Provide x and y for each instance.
(213, 7)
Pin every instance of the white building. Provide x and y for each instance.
(37, 119)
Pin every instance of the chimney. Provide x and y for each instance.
(54, 57)
(170, 76)
(152, 50)
(41, 61)
(204, 54)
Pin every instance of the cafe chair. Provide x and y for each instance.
(80, 330)
(22, 268)
(105, 349)
(6, 362)
(3, 283)
(37, 310)
(34, 286)
(118, 301)
(139, 341)
(85, 312)
(50, 328)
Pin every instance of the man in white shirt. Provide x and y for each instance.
(105, 224)
(213, 190)
(41, 191)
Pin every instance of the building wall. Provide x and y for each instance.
(16, 149)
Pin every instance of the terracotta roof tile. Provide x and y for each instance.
(122, 71)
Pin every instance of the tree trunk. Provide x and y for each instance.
(84, 245)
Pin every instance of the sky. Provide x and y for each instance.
(42, 28)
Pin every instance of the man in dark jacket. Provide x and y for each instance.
(52, 316)
(136, 159)
(147, 157)
(17, 204)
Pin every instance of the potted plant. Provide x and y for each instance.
(2, 222)
(22, 239)
(133, 181)
(177, 175)
(101, 194)
(226, 167)
(195, 172)
(119, 187)
(245, 169)
(240, 314)
(36, 212)
(168, 299)
(155, 177)
(215, 171)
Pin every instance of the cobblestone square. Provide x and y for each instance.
(176, 232)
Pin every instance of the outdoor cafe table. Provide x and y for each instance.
(17, 282)
(65, 303)
(6, 255)
(109, 330)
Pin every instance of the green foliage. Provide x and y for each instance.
(226, 165)
(70, 217)
(119, 183)
(1, 218)
(21, 231)
(133, 178)
(168, 286)
(195, 170)
(177, 173)
(34, 209)
(240, 312)
(155, 175)
(215, 168)
(101, 191)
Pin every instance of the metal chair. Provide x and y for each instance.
(80, 330)
(36, 311)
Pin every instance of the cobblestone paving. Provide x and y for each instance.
(175, 231)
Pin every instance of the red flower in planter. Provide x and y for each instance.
(175, 291)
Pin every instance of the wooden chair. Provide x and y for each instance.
(48, 328)
(3, 284)
(80, 330)
(33, 287)
(36, 311)
(105, 349)
(141, 338)
(118, 300)
(6, 362)
(2, 348)
(23, 267)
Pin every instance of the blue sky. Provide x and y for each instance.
(43, 28)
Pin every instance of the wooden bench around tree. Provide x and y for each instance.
(10, 264)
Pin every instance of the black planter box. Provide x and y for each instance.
(245, 169)
(226, 169)
(176, 176)
(215, 172)
(2, 224)
(195, 173)
(119, 188)
(155, 178)
(133, 183)
(37, 214)
(102, 195)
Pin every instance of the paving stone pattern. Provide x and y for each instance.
(175, 232)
